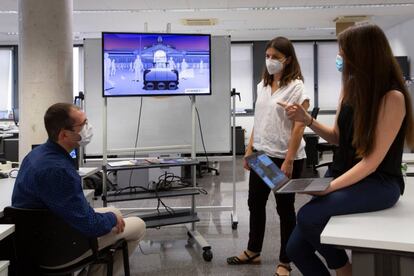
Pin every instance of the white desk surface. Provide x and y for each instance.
(5, 230)
(5, 135)
(390, 229)
(408, 158)
(87, 171)
(6, 191)
(10, 131)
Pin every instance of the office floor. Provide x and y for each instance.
(167, 251)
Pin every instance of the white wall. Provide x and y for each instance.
(402, 42)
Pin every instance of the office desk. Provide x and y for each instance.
(382, 243)
(408, 158)
(5, 135)
(6, 230)
(6, 191)
(87, 171)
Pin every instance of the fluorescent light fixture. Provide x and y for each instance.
(241, 9)
(292, 29)
(268, 8)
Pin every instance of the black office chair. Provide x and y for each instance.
(321, 148)
(315, 112)
(311, 142)
(43, 241)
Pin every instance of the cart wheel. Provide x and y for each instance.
(234, 225)
(207, 255)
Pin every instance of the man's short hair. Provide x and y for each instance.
(57, 117)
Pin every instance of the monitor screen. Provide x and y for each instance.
(154, 64)
(405, 66)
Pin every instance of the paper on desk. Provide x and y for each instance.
(121, 163)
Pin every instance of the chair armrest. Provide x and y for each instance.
(119, 244)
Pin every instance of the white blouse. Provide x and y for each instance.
(272, 128)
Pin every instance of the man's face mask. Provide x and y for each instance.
(86, 134)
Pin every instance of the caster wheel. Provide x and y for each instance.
(234, 225)
(207, 255)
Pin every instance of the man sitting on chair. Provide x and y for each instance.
(48, 179)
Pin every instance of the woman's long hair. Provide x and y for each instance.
(291, 68)
(370, 71)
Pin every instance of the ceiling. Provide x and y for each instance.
(241, 19)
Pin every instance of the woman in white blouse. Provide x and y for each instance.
(281, 139)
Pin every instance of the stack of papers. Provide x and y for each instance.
(147, 161)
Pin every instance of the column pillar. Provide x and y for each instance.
(45, 65)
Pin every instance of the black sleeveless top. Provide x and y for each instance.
(345, 155)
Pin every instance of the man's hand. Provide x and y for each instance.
(120, 224)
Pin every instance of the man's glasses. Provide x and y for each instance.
(81, 125)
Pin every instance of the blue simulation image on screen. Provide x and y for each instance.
(148, 64)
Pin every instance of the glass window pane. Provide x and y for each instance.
(304, 53)
(242, 74)
(329, 78)
(6, 88)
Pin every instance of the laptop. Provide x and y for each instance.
(278, 181)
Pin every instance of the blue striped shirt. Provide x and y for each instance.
(48, 179)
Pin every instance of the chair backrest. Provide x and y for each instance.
(43, 239)
(315, 112)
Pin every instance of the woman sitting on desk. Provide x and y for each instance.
(373, 120)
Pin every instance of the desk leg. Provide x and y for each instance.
(363, 264)
(376, 264)
(406, 266)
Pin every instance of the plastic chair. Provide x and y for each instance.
(43, 241)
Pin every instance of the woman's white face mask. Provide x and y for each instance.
(274, 66)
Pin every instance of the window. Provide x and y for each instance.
(77, 70)
(304, 54)
(6, 83)
(329, 79)
(242, 75)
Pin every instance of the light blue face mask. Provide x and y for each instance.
(339, 63)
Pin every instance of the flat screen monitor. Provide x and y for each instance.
(405, 66)
(155, 64)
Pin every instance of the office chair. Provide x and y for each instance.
(43, 241)
(321, 148)
(315, 112)
(314, 149)
(311, 142)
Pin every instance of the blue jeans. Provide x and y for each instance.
(373, 193)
